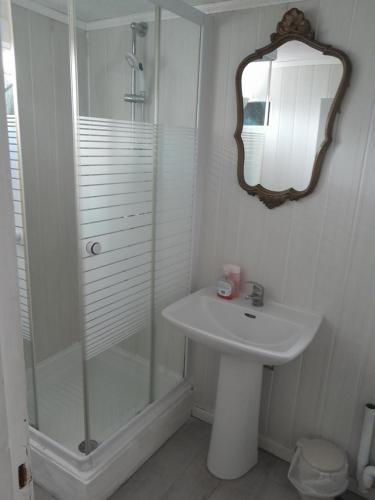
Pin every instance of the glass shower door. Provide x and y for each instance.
(116, 235)
(176, 169)
(136, 171)
(115, 143)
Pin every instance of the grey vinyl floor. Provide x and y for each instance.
(178, 472)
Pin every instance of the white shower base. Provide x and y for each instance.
(127, 435)
(118, 385)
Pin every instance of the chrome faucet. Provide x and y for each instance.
(257, 295)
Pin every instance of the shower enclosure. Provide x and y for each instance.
(103, 105)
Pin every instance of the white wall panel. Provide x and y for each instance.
(317, 253)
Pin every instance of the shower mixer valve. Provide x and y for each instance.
(93, 248)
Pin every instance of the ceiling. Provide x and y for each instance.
(96, 10)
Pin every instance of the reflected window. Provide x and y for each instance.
(256, 113)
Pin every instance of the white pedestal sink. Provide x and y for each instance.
(247, 337)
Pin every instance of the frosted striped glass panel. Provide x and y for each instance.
(116, 199)
(19, 225)
(174, 212)
(174, 224)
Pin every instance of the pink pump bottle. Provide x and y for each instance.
(233, 273)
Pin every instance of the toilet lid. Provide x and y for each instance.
(322, 455)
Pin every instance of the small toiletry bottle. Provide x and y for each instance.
(225, 288)
(233, 272)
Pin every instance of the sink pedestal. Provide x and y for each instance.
(234, 439)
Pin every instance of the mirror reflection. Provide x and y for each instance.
(287, 97)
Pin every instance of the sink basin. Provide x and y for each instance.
(273, 334)
(247, 338)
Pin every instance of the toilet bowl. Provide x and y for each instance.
(319, 469)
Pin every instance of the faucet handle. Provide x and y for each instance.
(257, 293)
(257, 287)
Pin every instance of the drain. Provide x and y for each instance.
(92, 445)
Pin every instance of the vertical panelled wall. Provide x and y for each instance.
(317, 253)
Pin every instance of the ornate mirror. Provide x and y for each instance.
(288, 95)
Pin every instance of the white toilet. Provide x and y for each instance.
(319, 469)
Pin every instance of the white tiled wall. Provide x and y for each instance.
(318, 253)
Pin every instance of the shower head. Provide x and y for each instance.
(140, 28)
(135, 64)
(133, 61)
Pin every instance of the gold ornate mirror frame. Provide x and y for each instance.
(293, 26)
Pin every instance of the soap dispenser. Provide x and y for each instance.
(225, 287)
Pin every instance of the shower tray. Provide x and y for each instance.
(58, 465)
(66, 473)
